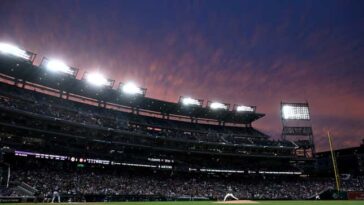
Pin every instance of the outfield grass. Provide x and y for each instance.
(211, 203)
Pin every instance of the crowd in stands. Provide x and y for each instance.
(55, 107)
(46, 180)
(172, 186)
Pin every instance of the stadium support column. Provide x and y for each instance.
(4, 171)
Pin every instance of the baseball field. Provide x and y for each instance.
(216, 203)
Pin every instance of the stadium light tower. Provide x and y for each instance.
(98, 80)
(218, 106)
(12, 50)
(58, 66)
(297, 127)
(131, 88)
(188, 101)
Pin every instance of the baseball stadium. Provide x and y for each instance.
(80, 140)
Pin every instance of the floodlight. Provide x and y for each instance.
(295, 112)
(287, 111)
(242, 108)
(218, 106)
(14, 50)
(96, 79)
(131, 89)
(187, 101)
(54, 65)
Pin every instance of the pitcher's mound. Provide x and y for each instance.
(237, 202)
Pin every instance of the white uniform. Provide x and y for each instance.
(56, 195)
(229, 194)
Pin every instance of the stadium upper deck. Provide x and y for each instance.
(20, 70)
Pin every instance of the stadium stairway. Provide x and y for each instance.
(24, 189)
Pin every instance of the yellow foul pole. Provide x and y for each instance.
(334, 163)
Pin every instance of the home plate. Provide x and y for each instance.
(237, 202)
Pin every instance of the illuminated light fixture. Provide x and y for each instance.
(287, 111)
(9, 49)
(295, 112)
(96, 79)
(242, 108)
(131, 89)
(218, 106)
(58, 66)
(187, 101)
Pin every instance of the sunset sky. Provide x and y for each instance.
(245, 52)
